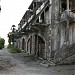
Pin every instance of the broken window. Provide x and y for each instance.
(42, 17)
(72, 5)
(37, 20)
(64, 5)
(47, 8)
(34, 4)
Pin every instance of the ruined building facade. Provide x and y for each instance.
(47, 29)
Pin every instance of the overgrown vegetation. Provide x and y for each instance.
(2, 42)
(73, 62)
(11, 49)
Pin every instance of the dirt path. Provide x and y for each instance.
(21, 64)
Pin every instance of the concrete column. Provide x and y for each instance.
(37, 46)
(68, 5)
(67, 28)
(33, 44)
(54, 24)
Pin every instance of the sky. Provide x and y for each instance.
(11, 14)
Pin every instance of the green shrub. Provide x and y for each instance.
(13, 50)
(2, 42)
(1, 46)
(9, 46)
(17, 50)
(73, 62)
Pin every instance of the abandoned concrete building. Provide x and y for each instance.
(47, 30)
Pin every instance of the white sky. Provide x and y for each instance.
(11, 14)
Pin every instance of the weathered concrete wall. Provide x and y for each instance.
(63, 34)
(47, 35)
(30, 43)
(59, 30)
(19, 43)
(33, 44)
(55, 26)
(72, 33)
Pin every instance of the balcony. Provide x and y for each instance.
(42, 23)
(20, 34)
(67, 15)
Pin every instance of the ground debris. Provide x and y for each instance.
(1, 68)
(6, 64)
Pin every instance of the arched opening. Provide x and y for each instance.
(39, 46)
(23, 44)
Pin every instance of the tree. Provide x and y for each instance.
(2, 42)
(11, 35)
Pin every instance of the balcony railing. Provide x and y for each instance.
(30, 18)
(43, 23)
(67, 15)
(24, 24)
(42, 6)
